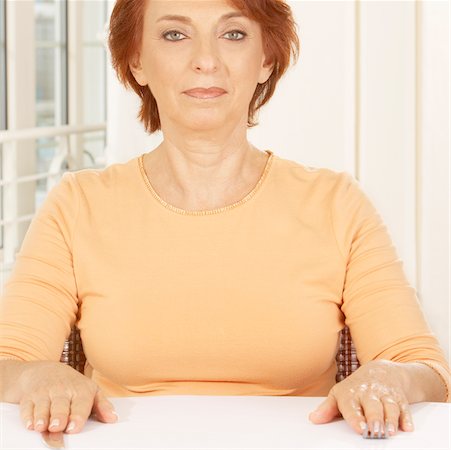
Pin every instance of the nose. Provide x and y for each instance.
(205, 56)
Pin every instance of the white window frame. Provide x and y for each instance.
(18, 199)
(19, 147)
(3, 115)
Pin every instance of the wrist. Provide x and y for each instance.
(424, 382)
(10, 370)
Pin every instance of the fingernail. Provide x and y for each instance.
(55, 423)
(29, 423)
(376, 426)
(115, 413)
(364, 427)
(55, 436)
(317, 413)
(391, 427)
(372, 429)
(39, 423)
(71, 426)
(409, 426)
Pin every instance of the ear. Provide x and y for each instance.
(137, 70)
(266, 70)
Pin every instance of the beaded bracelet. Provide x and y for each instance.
(445, 383)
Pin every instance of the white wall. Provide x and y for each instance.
(433, 172)
(368, 96)
(126, 137)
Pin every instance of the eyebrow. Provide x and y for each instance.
(185, 19)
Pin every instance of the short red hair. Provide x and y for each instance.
(279, 35)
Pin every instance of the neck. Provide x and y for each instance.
(208, 177)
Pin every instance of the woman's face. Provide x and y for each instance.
(206, 49)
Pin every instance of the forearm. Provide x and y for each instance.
(10, 371)
(423, 384)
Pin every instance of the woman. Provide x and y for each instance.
(208, 266)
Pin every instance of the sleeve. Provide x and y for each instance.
(381, 309)
(39, 302)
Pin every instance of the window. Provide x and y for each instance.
(2, 65)
(2, 97)
(51, 80)
(60, 58)
(95, 17)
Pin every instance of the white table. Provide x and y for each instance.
(228, 422)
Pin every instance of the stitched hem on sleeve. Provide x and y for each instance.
(439, 370)
(15, 358)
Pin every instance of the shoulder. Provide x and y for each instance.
(108, 174)
(318, 179)
(115, 177)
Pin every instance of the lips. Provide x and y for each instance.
(205, 93)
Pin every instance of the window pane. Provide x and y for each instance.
(51, 61)
(94, 77)
(45, 20)
(2, 103)
(94, 18)
(51, 81)
(2, 67)
(94, 85)
(45, 148)
(45, 86)
(93, 148)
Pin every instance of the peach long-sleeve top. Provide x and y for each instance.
(248, 299)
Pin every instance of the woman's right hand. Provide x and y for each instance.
(56, 397)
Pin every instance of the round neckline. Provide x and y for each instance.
(206, 211)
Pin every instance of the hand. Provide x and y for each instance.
(374, 395)
(55, 392)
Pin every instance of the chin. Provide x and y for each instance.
(206, 126)
(205, 122)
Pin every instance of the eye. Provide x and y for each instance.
(172, 32)
(235, 32)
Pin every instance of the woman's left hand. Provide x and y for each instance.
(375, 394)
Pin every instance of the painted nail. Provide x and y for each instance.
(364, 427)
(55, 423)
(71, 426)
(376, 426)
(391, 427)
(55, 437)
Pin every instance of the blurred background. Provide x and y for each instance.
(369, 95)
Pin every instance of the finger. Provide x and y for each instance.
(53, 440)
(352, 412)
(41, 413)
(103, 408)
(27, 412)
(374, 414)
(391, 411)
(327, 411)
(405, 418)
(59, 412)
(80, 410)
